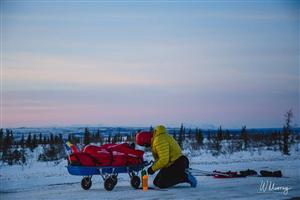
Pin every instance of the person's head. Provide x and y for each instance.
(160, 129)
(143, 138)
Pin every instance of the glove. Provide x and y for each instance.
(150, 171)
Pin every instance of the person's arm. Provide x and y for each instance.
(162, 149)
(154, 156)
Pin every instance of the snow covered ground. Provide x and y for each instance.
(49, 180)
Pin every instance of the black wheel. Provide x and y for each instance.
(135, 182)
(86, 183)
(115, 179)
(109, 184)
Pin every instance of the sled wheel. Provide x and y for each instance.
(109, 184)
(86, 183)
(115, 179)
(135, 182)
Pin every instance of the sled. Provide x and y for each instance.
(198, 172)
(109, 174)
(215, 173)
(228, 174)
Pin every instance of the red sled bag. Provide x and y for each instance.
(106, 146)
(124, 154)
(118, 159)
(107, 155)
(100, 154)
(80, 158)
(135, 157)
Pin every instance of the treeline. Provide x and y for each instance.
(217, 142)
(9, 151)
(98, 138)
(224, 142)
(15, 151)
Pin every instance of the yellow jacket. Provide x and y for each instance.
(165, 149)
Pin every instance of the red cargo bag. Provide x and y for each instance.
(80, 158)
(124, 154)
(134, 157)
(118, 159)
(102, 156)
(106, 146)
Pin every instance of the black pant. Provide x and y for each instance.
(173, 174)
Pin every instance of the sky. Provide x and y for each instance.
(137, 63)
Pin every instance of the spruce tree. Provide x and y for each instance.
(51, 139)
(34, 142)
(8, 142)
(22, 141)
(190, 134)
(287, 132)
(86, 137)
(198, 137)
(40, 139)
(220, 134)
(180, 137)
(109, 138)
(208, 136)
(1, 140)
(245, 137)
(28, 141)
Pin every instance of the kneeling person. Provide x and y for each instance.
(167, 158)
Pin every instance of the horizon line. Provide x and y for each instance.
(142, 126)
